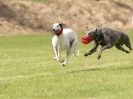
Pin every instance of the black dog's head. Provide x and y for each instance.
(96, 34)
(92, 33)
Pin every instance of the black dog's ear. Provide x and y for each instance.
(87, 28)
(95, 29)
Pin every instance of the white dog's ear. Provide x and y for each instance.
(62, 24)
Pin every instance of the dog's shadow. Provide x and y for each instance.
(99, 69)
(86, 70)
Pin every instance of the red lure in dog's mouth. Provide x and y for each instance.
(86, 39)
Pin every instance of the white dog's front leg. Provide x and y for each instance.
(56, 54)
(55, 44)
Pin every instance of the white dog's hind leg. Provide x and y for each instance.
(67, 59)
(69, 53)
(76, 53)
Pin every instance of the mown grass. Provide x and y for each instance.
(28, 71)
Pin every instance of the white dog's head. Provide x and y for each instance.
(57, 28)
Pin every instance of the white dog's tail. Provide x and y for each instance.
(76, 53)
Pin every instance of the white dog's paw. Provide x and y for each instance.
(64, 63)
(58, 60)
(55, 58)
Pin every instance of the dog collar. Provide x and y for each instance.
(60, 32)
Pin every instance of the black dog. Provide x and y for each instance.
(107, 38)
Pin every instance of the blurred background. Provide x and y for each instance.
(37, 16)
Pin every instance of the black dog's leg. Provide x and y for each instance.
(118, 46)
(127, 43)
(107, 46)
(94, 49)
(102, 49)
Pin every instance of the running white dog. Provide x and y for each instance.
(64, 38)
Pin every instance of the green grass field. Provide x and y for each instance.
(28, 71)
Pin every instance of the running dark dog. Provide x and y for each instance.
(107, 38)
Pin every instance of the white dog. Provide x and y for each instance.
(64, 38)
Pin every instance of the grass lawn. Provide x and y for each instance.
(28, 71)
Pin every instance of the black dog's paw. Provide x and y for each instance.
(127, 52)
(99, 56)
(86, 54)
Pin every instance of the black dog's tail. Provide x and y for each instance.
(126, 41)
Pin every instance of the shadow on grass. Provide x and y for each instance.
(101, 69)
(86, 70)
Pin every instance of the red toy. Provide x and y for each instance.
(86, 39)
